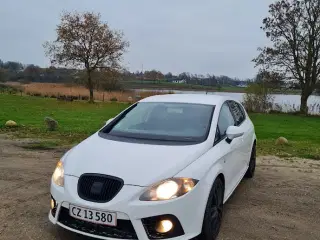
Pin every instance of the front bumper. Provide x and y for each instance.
(131, 212)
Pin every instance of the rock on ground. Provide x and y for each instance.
(282, 141)
(11, 123)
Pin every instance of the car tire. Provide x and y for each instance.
(213, 213)
(252, 163)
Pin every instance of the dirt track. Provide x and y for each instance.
(281, 202)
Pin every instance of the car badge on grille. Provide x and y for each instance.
(96, 188)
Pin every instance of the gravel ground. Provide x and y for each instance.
(281, 202)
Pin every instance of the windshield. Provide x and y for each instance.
(164, 121)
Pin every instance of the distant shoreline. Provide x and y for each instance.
(176, 87)
(230, 90)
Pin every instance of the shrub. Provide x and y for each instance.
(66, 98)
(258, 98)
(25, 81)
(276, 108)
(85, 98)
(138, 97)
(113, 99)
(4, 88)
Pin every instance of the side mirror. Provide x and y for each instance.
(107, 122)
(233, 132)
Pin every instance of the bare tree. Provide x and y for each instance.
(294, 30)
(85, 41)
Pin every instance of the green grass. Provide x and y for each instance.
(77, 120)
(302, 132)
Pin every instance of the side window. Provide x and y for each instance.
(237, 111)
(225, 120)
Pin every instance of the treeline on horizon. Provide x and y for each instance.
(18, 72)
(12, 71)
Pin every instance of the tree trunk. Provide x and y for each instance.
(304, 104)
(90, 86)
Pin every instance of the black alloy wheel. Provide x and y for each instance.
(213, 213)
(252, 163)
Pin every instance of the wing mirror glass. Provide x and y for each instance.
(233, 132)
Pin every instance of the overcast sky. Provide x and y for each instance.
(209, 36)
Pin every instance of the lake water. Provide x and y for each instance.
(287, 102)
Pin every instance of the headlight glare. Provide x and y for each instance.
(58, 174)
(169, 189)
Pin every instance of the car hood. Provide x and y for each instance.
(137, 164)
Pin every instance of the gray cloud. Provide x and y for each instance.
(207, 36)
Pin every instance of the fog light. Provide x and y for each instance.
(164, 226)
(52, 204)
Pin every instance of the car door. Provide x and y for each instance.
(245, 125)
(229, 151)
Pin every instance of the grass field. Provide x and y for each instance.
(77, 120)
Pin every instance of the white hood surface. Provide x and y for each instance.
(137, 164)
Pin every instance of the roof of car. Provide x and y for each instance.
(188, 98)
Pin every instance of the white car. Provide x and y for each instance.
(161, 169)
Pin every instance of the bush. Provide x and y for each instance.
(138, 97)
(113, 99)
(25, 81)
(258, 98)
(85, 98)
(66, 98)
(10, 89)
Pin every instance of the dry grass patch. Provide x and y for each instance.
(57, 89)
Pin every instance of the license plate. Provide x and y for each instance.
(94, 216)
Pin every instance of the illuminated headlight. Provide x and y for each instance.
(169, 189)
(58, 175)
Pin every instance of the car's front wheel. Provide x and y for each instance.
(213, 213)
(252, 163)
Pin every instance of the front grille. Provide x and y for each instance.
(123, 230)
(98, 188)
